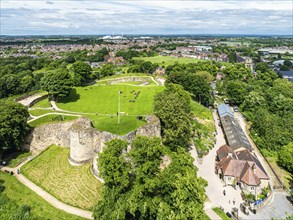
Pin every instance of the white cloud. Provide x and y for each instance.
(133, 17)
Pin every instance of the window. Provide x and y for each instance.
(252, 188)
(229, 177)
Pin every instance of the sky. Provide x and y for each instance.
(84, 17)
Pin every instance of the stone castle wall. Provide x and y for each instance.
(83, 140)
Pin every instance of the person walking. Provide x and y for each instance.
(224, 192)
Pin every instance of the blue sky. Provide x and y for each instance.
(20, 17)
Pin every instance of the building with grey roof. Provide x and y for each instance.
(234, 134)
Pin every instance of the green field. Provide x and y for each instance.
(168, 60)
(104, 99)
(38, 112)
(51, 119)
(42, 104)
(22, 195)
(74, 185)
(200, 111)
(108, 123)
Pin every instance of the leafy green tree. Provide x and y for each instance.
(195, 84)
(57, 83)
(107, 70)
(82, 72)
(285, 157)
(262, 67)
(172, 191)
(26, 83)
(113, 166)
(172, 106)
(236, 92)
(13, 125)
(253, 102)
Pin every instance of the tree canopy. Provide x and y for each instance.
(82, 72)
(13, 125)
(172, 106)
(57, 83)
(139, 187)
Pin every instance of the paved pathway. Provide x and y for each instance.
(52, 113)
(46, 196)
(215, 187)
(27, 101)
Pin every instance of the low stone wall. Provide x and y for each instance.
(83, 140)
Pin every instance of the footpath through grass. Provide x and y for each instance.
(21, 195)
(168, 60)
(135, 100)
(74, 185)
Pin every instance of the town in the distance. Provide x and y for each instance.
(146, 127)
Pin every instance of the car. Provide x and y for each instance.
(229, 214)
(236, 109)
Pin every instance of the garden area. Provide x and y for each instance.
(74, 185)
(204, 128)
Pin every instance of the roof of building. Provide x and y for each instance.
(248, 171)
(243, 155)
(224, 110)
(287, 73)
(236, 138)
(248, 175)
(222, 152)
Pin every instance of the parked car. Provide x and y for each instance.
(236, 109)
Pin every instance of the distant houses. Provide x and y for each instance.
(236, 164)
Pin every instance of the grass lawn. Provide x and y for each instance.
(104, 99)
(200, 111)
(221, 213)
(74, 185)
(51, 118)
(38, 112)
(22, 195)
(284, 175)
(42, 104)
(108, 123)
(168, 60)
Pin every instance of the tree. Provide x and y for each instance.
(172, 106)
(82, 72)
(285, 157)
(253, 102)
(194, 84)
(152, 192)
(57, 83)
(13, 124)
(236, 92)
(107, 70)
